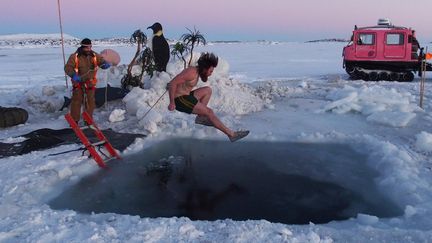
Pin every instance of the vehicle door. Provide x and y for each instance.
(365, 45)
(394, 46)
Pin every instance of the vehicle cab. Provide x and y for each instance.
(383, 47)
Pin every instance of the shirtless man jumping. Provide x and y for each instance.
(184, 99)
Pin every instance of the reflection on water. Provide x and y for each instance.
(291, 183)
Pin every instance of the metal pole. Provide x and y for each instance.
(62, 39)
(421, 84)
(423, 79)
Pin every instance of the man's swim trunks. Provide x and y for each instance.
(186, 103)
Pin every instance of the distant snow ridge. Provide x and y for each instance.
(53, 40)
(328, 40)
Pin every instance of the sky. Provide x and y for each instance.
(319, 113)
(279, 20)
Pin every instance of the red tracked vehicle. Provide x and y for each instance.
(383, 52)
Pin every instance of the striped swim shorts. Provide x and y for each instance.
(186, 103)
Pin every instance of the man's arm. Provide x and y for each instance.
(70, 66)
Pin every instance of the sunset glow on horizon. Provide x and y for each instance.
(217, 20)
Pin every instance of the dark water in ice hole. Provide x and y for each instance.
(294, 183)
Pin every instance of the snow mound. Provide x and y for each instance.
(45, 99)
(424, 141)
(117, 115)
(229, 98)
(367, 219)
(234, 98)
(410, 211)
(392, 118)
(379, 104)
(396, 166)
(275, 89)
(111, 76)
(149, 119)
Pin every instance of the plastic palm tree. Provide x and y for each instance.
(180, 50)
(140, 38)
(147, 63)
(191, 39)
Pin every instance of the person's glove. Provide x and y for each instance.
(105, 65)
(76, 78)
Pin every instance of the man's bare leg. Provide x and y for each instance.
(202, 110)
(203, 95)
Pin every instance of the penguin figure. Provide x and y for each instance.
(160, 47)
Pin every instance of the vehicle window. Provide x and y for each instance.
(366, 39)
(395, 39)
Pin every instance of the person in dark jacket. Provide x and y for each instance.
(160, 47)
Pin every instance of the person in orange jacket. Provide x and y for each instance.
(82, 68)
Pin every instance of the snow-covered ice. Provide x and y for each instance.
(294, 92)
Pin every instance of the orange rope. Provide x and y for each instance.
(62, 40)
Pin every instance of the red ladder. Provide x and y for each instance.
(91, 147)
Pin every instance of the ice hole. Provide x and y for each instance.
(286, 182)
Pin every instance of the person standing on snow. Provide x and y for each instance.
(82, 68)
(184, 99)
(159, 47)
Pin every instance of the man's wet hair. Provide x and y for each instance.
(206, 61)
